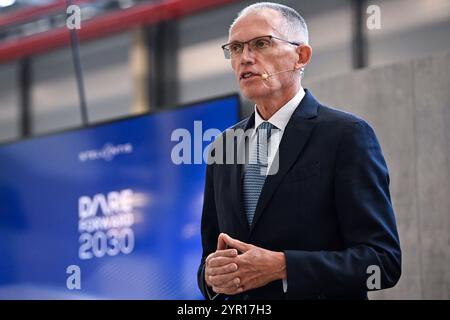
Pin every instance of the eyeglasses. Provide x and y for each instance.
(256, 44)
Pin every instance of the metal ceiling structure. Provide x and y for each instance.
(33, 30)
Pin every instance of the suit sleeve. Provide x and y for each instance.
(209, 232)
(366, 220)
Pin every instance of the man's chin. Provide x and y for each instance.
(253, 93)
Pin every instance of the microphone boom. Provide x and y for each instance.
(266, 76)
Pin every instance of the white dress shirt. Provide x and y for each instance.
(280, 120)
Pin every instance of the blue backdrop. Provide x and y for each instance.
(110, 201)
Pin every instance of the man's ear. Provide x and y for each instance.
(304, 52)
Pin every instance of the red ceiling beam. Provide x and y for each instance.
(104, 25)
(26, 14)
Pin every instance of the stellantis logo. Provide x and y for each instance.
(107, 153)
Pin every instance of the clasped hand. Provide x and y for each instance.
(237, 266)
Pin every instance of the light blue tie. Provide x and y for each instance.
(255, 171)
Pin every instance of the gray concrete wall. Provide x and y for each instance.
(408, 104)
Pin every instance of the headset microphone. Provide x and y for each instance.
(266, 76)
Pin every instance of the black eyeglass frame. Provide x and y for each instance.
(227, 51)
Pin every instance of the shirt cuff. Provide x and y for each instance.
(285, 285)
(213, 295)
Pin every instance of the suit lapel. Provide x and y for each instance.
(297, 133)
(237, 174)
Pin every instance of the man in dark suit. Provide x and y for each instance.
(309, 214)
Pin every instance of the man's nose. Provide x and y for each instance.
(247, 56)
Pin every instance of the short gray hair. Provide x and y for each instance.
(295, 26)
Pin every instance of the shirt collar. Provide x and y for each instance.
(281, 118)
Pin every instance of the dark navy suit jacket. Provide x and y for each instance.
(328, 208)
